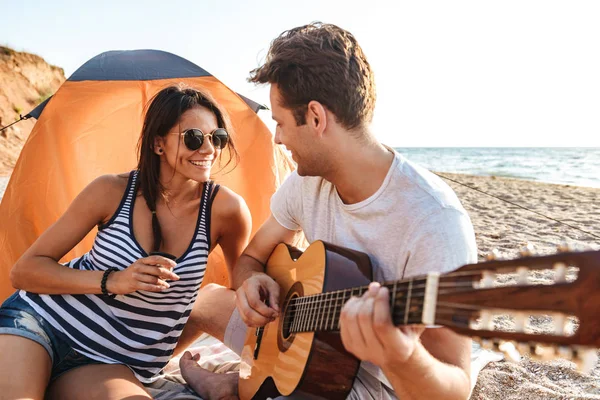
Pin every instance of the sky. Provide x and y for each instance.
(458, 73)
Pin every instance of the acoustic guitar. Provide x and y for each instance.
(301, 351)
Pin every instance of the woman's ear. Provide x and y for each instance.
(159, 146)
(316, 117)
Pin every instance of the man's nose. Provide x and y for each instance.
(277, 137)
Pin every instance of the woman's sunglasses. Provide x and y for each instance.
(194, 138)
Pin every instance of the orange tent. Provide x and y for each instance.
(91, 127)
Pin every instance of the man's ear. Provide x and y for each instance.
(316, 117)
(159, 146)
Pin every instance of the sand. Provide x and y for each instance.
(508, 228)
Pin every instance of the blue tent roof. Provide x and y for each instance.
(137, 65)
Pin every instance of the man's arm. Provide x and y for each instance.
(447, 356)
(420, 364)
(253, 287)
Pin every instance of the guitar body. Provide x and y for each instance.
(308, 363)
(301, 352)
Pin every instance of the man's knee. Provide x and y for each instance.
(213, 286)
(212, 309)
(215, 295)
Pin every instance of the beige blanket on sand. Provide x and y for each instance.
(217, 357)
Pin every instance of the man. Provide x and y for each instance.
(352, 191)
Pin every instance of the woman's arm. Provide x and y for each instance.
(38, 269)
(235, 224)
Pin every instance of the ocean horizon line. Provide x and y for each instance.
(573, 166)
(521, 178)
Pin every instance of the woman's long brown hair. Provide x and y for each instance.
(163, 113)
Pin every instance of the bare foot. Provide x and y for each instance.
(209, 385)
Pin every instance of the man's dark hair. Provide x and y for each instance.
(320, 62)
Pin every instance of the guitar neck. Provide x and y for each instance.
(412, 301)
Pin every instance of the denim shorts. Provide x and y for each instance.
(18, 318)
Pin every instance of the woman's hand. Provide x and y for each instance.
(149, 273)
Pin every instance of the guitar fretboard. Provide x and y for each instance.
(321, 312)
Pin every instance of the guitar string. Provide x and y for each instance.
(416, 319)
(317, 318)
(331, 304)
(331, 296)
(442, 278)
(443, 283)
(308, 314)
(308, 306)
(327, 297)
(333, 311)
(328, 302)
(399, 315)
(359, 289)
(442, 308)
(327, 307)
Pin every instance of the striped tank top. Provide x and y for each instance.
(139, 329)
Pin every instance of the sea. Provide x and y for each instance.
(578, 166)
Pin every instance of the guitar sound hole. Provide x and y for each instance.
(290, 315)
(285, 336)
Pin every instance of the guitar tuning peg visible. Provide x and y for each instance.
(564, 352)
(527, 250)
(523, 347)
(487, 280)
(585, 359)
(542, 352)
(563, 247)
(493, 255)
(520, 320)
(560, 272)
(560, 324)
(510, 351)
(486, 320)
(570, 327)
(522, 275)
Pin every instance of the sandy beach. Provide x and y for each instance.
(508, 228)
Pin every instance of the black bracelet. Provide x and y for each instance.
(104, 279)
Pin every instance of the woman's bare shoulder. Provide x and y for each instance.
(107, 190)
(230, 214)
(110, 183)
(228, 203)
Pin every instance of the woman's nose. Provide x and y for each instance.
(207, 145)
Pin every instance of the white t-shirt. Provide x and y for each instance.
(413, 224)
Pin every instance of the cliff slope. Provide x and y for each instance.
(25, 81)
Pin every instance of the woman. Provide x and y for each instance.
(112, 319)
